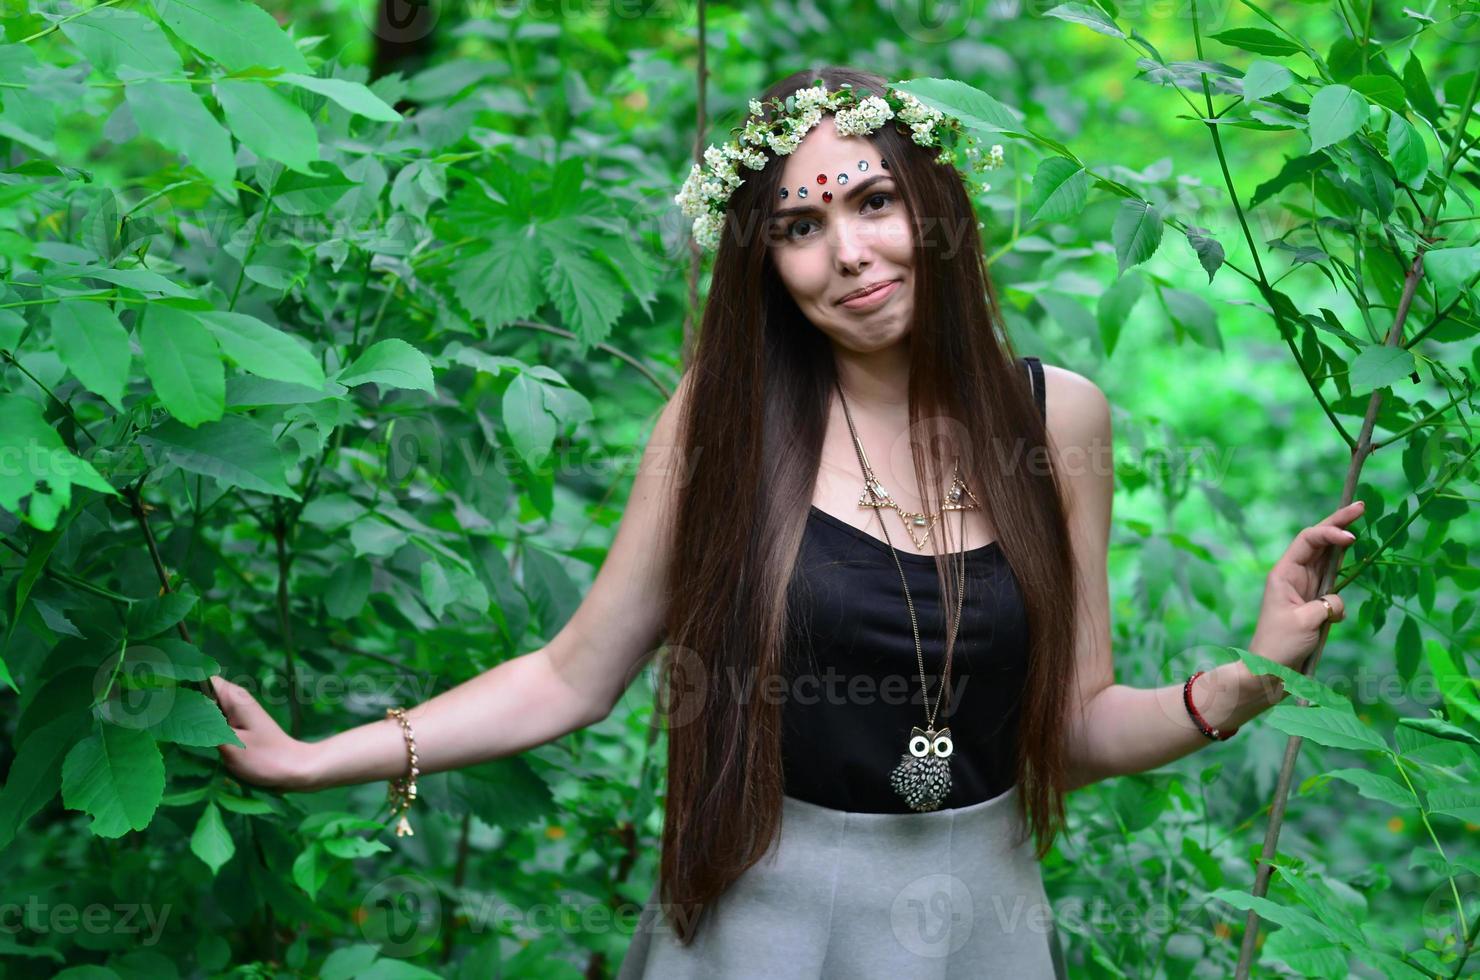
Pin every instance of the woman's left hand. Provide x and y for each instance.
(1292, 615)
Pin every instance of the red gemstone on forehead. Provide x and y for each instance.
(827, 197)
(822, 178)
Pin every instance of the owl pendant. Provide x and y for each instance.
(923, 776)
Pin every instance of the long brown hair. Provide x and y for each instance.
(760, 381)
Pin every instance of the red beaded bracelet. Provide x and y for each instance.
(1197, 719)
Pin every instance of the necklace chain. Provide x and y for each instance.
(945, 680)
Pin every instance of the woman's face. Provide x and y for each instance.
(827, 249)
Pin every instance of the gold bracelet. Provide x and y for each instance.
(403, 789)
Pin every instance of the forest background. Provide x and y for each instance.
(331, 335)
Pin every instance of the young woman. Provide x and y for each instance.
(872, 544)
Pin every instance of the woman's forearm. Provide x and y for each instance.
(518, 705)
(1128, 730)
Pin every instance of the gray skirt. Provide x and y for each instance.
(858, 895)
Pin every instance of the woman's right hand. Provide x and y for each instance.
(268, 757)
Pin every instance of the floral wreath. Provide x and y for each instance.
(706, 192)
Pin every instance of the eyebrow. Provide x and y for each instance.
(853, 193)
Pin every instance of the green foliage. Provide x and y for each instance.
(313, 380)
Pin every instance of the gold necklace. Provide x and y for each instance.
(923, 776)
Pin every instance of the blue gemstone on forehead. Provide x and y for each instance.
(783, 192)
(842, 178)
(862, 164)
(801, 192)
(884, 163)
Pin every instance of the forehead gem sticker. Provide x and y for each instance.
(827, 197)
(801, 192)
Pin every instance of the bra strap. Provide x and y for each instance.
(1035, 378)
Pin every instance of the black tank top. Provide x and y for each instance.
(853, 680)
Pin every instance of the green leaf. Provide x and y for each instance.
(1258, 40)
(1059, 189)
(1379, 365)
(193, 719)
(584, 290)
(1293, 919)
(1451, 269)
(94, 345)
(1456, 686)
(1193, 315)
(532, 427)
(390, 362)
(310, 871)
(975, 108)
(1406, 152)
(269, 124)
(154, 615)
(236, 34)
(350, 95)
(1440, 728)
(116, 776)
(1377, 787)
(235, 452)
(1296, 169)
(1136, 232)
(1209, 250)
(210, 841)
(301, 194)
(1265, 78)
(117, 40)
(175, 117)
(501, 284)
(42, 468)
(1407, 647)
(1113, 310)
(1420, 93)
(1385, 90)
(1461, 803)
(168, 658)
(1091, 17)
(36, 773)
(263, 350)
(350, 848)
(347, 962)
(1335, 113)
(1296, 683)
(184, 362)
(1327, 726)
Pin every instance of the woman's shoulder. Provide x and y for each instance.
(1078, 410)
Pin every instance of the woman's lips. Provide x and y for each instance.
(869, 300)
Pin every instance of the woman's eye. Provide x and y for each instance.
(792, 228)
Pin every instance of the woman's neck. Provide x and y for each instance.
(876, 383)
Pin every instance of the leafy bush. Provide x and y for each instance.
(303, 389)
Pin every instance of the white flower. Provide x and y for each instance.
(754, 133)
(864, 118)
(754, 159)
(811, 97)
(707, 228)
(756, 109)
(995, 156)
(688, 198)
(915, 111)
